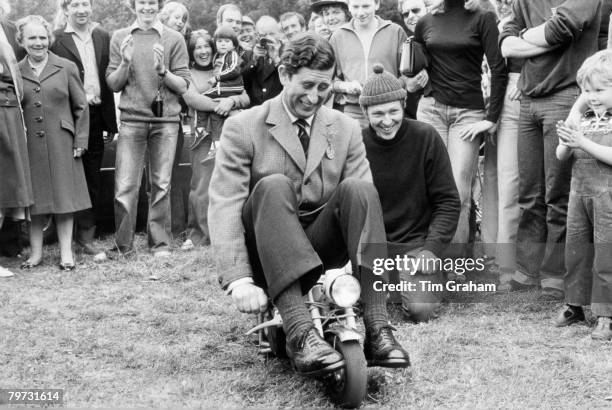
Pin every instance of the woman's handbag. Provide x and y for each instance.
(414, 57)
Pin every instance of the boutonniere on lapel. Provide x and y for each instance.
(330, 152)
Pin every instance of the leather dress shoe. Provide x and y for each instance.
(569, 315)
(382, 349)
(313, 356)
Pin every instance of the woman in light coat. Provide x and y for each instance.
(57, 122)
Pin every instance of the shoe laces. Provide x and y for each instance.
(306, 340)
(385, 333)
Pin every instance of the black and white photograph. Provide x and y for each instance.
(286, 204)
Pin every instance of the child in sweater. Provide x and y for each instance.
(227, 78)
(588, 252)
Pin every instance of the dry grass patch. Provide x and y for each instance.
(111, 337)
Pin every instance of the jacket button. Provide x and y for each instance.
(264, 90)
(37, 104)
(39, 119)
(37, 89)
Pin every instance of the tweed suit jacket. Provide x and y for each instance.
(262, 141)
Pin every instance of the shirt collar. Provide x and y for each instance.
(379, 23)
(157, 26)
(292, 117)
(70, 29)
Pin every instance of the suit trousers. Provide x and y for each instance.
(85, 221)
(284, 247)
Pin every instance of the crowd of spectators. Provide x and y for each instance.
(500, 76)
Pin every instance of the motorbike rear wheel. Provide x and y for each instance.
(348, 385)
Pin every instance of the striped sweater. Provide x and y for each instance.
(227, 73)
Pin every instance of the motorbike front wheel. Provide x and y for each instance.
(348, 385)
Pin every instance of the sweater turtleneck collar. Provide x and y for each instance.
(401, 132)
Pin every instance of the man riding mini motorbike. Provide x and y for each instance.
(291, 195)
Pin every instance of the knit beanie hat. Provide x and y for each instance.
(381, 88)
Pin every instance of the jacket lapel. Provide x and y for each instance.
(26, 71)
(320, 139)
(283, 132)
(68, 43)
(97, 43)
(52, 67)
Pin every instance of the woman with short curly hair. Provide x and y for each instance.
(57, 122)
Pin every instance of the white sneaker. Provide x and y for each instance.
(187, 245)
(100, 257)
(161, 254)
(5, 273)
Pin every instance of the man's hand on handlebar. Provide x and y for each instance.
(249, 298)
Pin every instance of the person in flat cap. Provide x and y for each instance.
(247, 33)
(334, 12)
(412, 173)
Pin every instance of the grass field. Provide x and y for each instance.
(111, 337)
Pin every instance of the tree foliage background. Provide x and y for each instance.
(114, 14)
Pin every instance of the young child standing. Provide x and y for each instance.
(227, 78)
(588, 252)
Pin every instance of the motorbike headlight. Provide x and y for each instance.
(345, 291)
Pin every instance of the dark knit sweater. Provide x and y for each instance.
(414, 179)
(456, 41)
(573, 31)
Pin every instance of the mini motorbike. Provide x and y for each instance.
(332, 306)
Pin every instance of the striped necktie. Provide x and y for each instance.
(303, 134)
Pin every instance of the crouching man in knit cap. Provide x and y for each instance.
(412, 173)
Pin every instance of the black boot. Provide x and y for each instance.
(382, 349)
(312, 356)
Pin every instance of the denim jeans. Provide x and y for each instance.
(588, 254)
(544, 184)
(449, 121)
(136, 139)
(501, 185)
(201, 171)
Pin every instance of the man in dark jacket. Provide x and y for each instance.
(87, 45)
(260, 74)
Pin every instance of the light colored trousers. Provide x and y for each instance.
(501, 186)
(449, 121)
